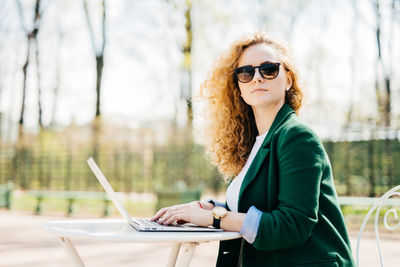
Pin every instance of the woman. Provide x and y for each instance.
(282, 198)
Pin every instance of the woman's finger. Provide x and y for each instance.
(170, 220)
(160, 213)
(167, 215)
(157, 215)
(178, 216)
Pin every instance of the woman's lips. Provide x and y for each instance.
(259, 90)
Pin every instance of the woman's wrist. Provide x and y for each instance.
(207, 205)
(203, 204)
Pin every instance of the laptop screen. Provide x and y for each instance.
(110, 191)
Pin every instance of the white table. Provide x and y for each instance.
(119, 230)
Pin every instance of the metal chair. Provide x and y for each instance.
(378, 205)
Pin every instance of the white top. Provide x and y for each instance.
(120, 230)
(232, 194)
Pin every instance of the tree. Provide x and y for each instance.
(383, 79)
(99, 57)
(349, 114)
(383, 83)
(187, 64)
(98, 51)
(32, 41)
(186, 92)
(57, 70)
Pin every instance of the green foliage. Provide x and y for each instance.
(54, 161)
(364, 167)
(49, 162)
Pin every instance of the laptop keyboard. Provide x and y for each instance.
(145, 224)
(148, 224)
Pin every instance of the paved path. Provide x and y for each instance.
(24, 243)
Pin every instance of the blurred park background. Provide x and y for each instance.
(117, 80)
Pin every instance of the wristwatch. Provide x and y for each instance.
(218, 213)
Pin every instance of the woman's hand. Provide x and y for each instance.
(184, 213)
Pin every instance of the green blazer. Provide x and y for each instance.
(290, 180)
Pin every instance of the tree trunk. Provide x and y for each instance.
(187, 64)
(57, 84)
(383, 77)
(24, 72)
(31, 37)
(40, 120)
(371, 168)
(187, 75)
(388, 76)
(371, 164)
(350, 111)
(99, 71)
(347, 168)
(389, 162)
(99, 57)
(99, 54)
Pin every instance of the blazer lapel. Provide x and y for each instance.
(253, 169)
(281, 117)
(262, 153)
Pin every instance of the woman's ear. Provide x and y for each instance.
(289, 81)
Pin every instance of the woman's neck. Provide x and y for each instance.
(264, 116)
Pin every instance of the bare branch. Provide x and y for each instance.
(21, 15)
(103, 27)
(89, 24)
(57, 70)
(362, 18)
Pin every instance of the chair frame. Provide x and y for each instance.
(378, 205)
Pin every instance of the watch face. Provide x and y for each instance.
(219, 211)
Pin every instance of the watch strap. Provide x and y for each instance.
(216, 222)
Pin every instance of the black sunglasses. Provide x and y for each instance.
(268, 70)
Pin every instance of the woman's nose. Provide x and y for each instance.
(257, 76)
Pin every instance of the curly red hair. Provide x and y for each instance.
(230, 129)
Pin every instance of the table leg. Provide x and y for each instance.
(173, 255)
(71, 251)
(188, 250)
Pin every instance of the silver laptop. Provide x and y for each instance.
(142, 224)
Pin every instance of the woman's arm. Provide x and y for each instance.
(193, 213)
(200, 214)
(233, 221)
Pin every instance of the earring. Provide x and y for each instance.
(287, 89)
